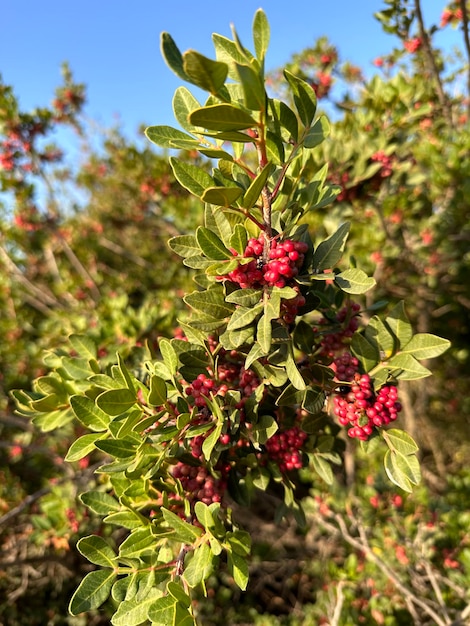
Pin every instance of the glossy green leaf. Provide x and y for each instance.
(406, 367)
(245, 297)
(354, 281)
(264, 429)
(82, 446)
(89, 414)
(377, 332)
(116, 401)
(211, 245)
(253, 88)
(261, 34)
(183, 531)
(118, 448)
(293, 373)
(164, 136)
(367, 352)
(330, 251)
(169, 355)
(286, 118)
(403, 471)
(158, 391)
(204, 72)
(173, 56)
(305, 99)
(222, 117)
(244, 316)
(84, 346)
(252, 194)
(238, 568)
(400, 441)
(136, 611)
(398, 322)
(193, 178)
(184, 245)
(139, 542)
(239, 239)
(211, 302)
(183, 104)
(92, 591)
(425, 346)
(322, 467)
(100, 502)
(201, 565)
(53, 420)
(228, 52)
(221, 196)
(97, 550)
(317, 133)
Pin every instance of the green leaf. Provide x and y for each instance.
(100, 502)
(329, 252)
(239, 239)
(253, 192)
(205, 73)
(173, 56)
(322, 468)
(221, 196)
(193, 178)
(261, 34)
(399, 324)
(200, 567)
(222, 117)
(245, 297)
(264, 429)
(293, 373)
(305, 99)
(183, 104)
(116, 401)
(118, 448)
(365, 351)
(84, 346)
(211, 302)
(253, 88)
(317, 133)
(377, 332)
(97, 551)
(403, 471)
(406, 367)
(89, 414)
(211, 440)
(228, 52)
(158, 391)
(139, 542)
(286, 118)
(92, 591)
(169, 355)
(164, 136)
(244, 316)
(184, 532)
(238, 567)
(354, 281)
(136, 611)
(211, 245)
(82, 446)
(425, 346)
(53, 420)
(400, 441)
(184, 245)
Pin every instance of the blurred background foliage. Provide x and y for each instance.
(83, 230)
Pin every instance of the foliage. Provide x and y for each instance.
(213, 463)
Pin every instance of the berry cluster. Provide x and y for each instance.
(344, 325)
(285, 448)
(199, 484)
(285, 259)
(386, 162)
(200, 389)
(361, 409)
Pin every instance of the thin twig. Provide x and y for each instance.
(466, 38)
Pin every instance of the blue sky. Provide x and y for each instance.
(114, 45)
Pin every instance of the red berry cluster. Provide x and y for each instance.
(345, 367)
(199, 484)
(285, 259)
(200, 389)
(386, 161)
(361, 409)
(285, 448)
(348, 322)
